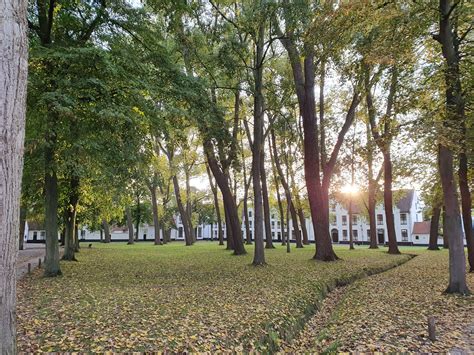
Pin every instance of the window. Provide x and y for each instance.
(273, 235)
(417, 237)
(250, 213)
(403, 219)
(380, 219)
(368, 234)
(354, 219)
(215, 233)
(344, 221)
(180, 232)
(333, 219)
(355, 236)
(273, 216)
(278, 223)
(42, 234)
(404, 235)
(344, 234)
(200, 232)
(273, 224)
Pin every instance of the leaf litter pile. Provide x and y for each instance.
(389, 312)
(143, 297)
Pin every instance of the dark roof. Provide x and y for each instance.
(421, 227)
(405, 199)
(35, 226)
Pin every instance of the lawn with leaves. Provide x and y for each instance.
(389, 312)
(143, 297)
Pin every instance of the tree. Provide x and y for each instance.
(454, 117)
(318, 171)
(13, 82)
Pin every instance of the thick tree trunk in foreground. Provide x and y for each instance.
(156, 221)
(105, 225)
(454, 119)
(128, 212)
(434, 228)
(13, 74)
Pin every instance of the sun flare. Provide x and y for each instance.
(350, 189)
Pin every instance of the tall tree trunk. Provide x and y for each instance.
(21, 236)
(371, 209)
(266, 203)
(189, 211)
(372, 190)
(445, 236)
(466, 205)
(228, 231)
(156, 221)
(230, 207)
(70, 222)
(454, 116)
(388, 203)
(129, 224)
(105, 225)
(51, 262)
(137, 222)
(182, 212)
(13, 76)
(259, 254)
(434, 228)
(216, 206)
(76, 236)
(351, 236)
(304, 230)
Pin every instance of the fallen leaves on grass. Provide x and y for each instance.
(146, 298)
(389, 312)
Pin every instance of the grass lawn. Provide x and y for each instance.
(142, 297)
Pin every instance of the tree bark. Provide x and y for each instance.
(388, 204)
(445, 236)
(266, 203)
(156, 221)
(304, 230)
(51, 262)
(13, 82)
(372, 190)
(105, 225)
(182, 212)
(466, 205)
(70, 222)
(129, 225)
(230, 207)
(434, 228)
(189, 211)
(454, 115)
(257, 147)
(216, 207)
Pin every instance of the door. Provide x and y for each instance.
(335, 236)
(381, 236)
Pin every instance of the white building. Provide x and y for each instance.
(407, 215)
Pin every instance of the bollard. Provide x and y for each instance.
(431, 328)
(29, 268)
(39, 263)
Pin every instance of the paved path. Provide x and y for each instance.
(30, 254)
